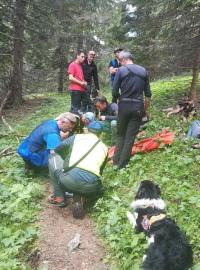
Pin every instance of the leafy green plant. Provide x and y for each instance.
(21, 194)
(175, 168)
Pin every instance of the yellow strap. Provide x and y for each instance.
(153, 219)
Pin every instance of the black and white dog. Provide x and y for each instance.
(168, 248)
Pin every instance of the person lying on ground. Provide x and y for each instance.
(87, 118)
(108, 116)
(36, 148)
(79, 170)
(82, 121)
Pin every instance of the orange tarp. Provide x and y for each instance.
(149, 144)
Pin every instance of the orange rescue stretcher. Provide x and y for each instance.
(148, 144)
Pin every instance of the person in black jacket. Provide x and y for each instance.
(133, 82)
(108, 116)
(91, 76)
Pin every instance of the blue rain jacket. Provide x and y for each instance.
(36, 147)
(194, 130)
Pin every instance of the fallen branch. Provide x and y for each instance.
(10, 128)
(5, 150)
(8, 134)
(8, 154)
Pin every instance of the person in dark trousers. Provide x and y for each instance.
(133, 82)
(78, 171)
(114, 65)
(90, 75)
(108, 116)
(77, 83)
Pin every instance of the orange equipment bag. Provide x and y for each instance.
(148, 144)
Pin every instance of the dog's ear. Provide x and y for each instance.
(158, 190)
(141, 191)
(138, 227)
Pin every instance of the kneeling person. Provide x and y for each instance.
(108, 116)
(36, 148)
(79, 170)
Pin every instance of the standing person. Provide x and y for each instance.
(90, 74)
(108, 116)
(77, 82)
(114, 65)
(36, 148)
(133, 81)
(79, 171)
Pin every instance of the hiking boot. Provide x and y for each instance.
(78, 210)
(56, 201)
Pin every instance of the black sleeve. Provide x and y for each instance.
(95, 76)
(116, 85)
(114, 112)
(147, 90)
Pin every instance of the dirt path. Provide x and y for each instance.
(58, 227)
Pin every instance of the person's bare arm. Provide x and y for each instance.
(73, 79)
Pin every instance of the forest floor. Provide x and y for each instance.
(57, 227)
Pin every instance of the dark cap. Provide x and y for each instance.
(118, 50)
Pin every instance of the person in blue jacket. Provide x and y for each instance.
(36, 148)
(114, 65)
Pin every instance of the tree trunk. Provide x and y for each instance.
(18, 53)
(61, 63)
(195, 74)
(61, 72)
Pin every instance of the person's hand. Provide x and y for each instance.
(147, 113)
(102, 118)
(116, 69)
(84, 83)
(64, 135)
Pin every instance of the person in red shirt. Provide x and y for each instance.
(77, 82)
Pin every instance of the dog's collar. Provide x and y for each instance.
(144, 203)
(146, 223)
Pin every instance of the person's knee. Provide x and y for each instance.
(57, 173)
(55, 162)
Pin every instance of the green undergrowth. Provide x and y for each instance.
(175, 168)
(21, 194)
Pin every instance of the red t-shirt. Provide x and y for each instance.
(76, 70)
